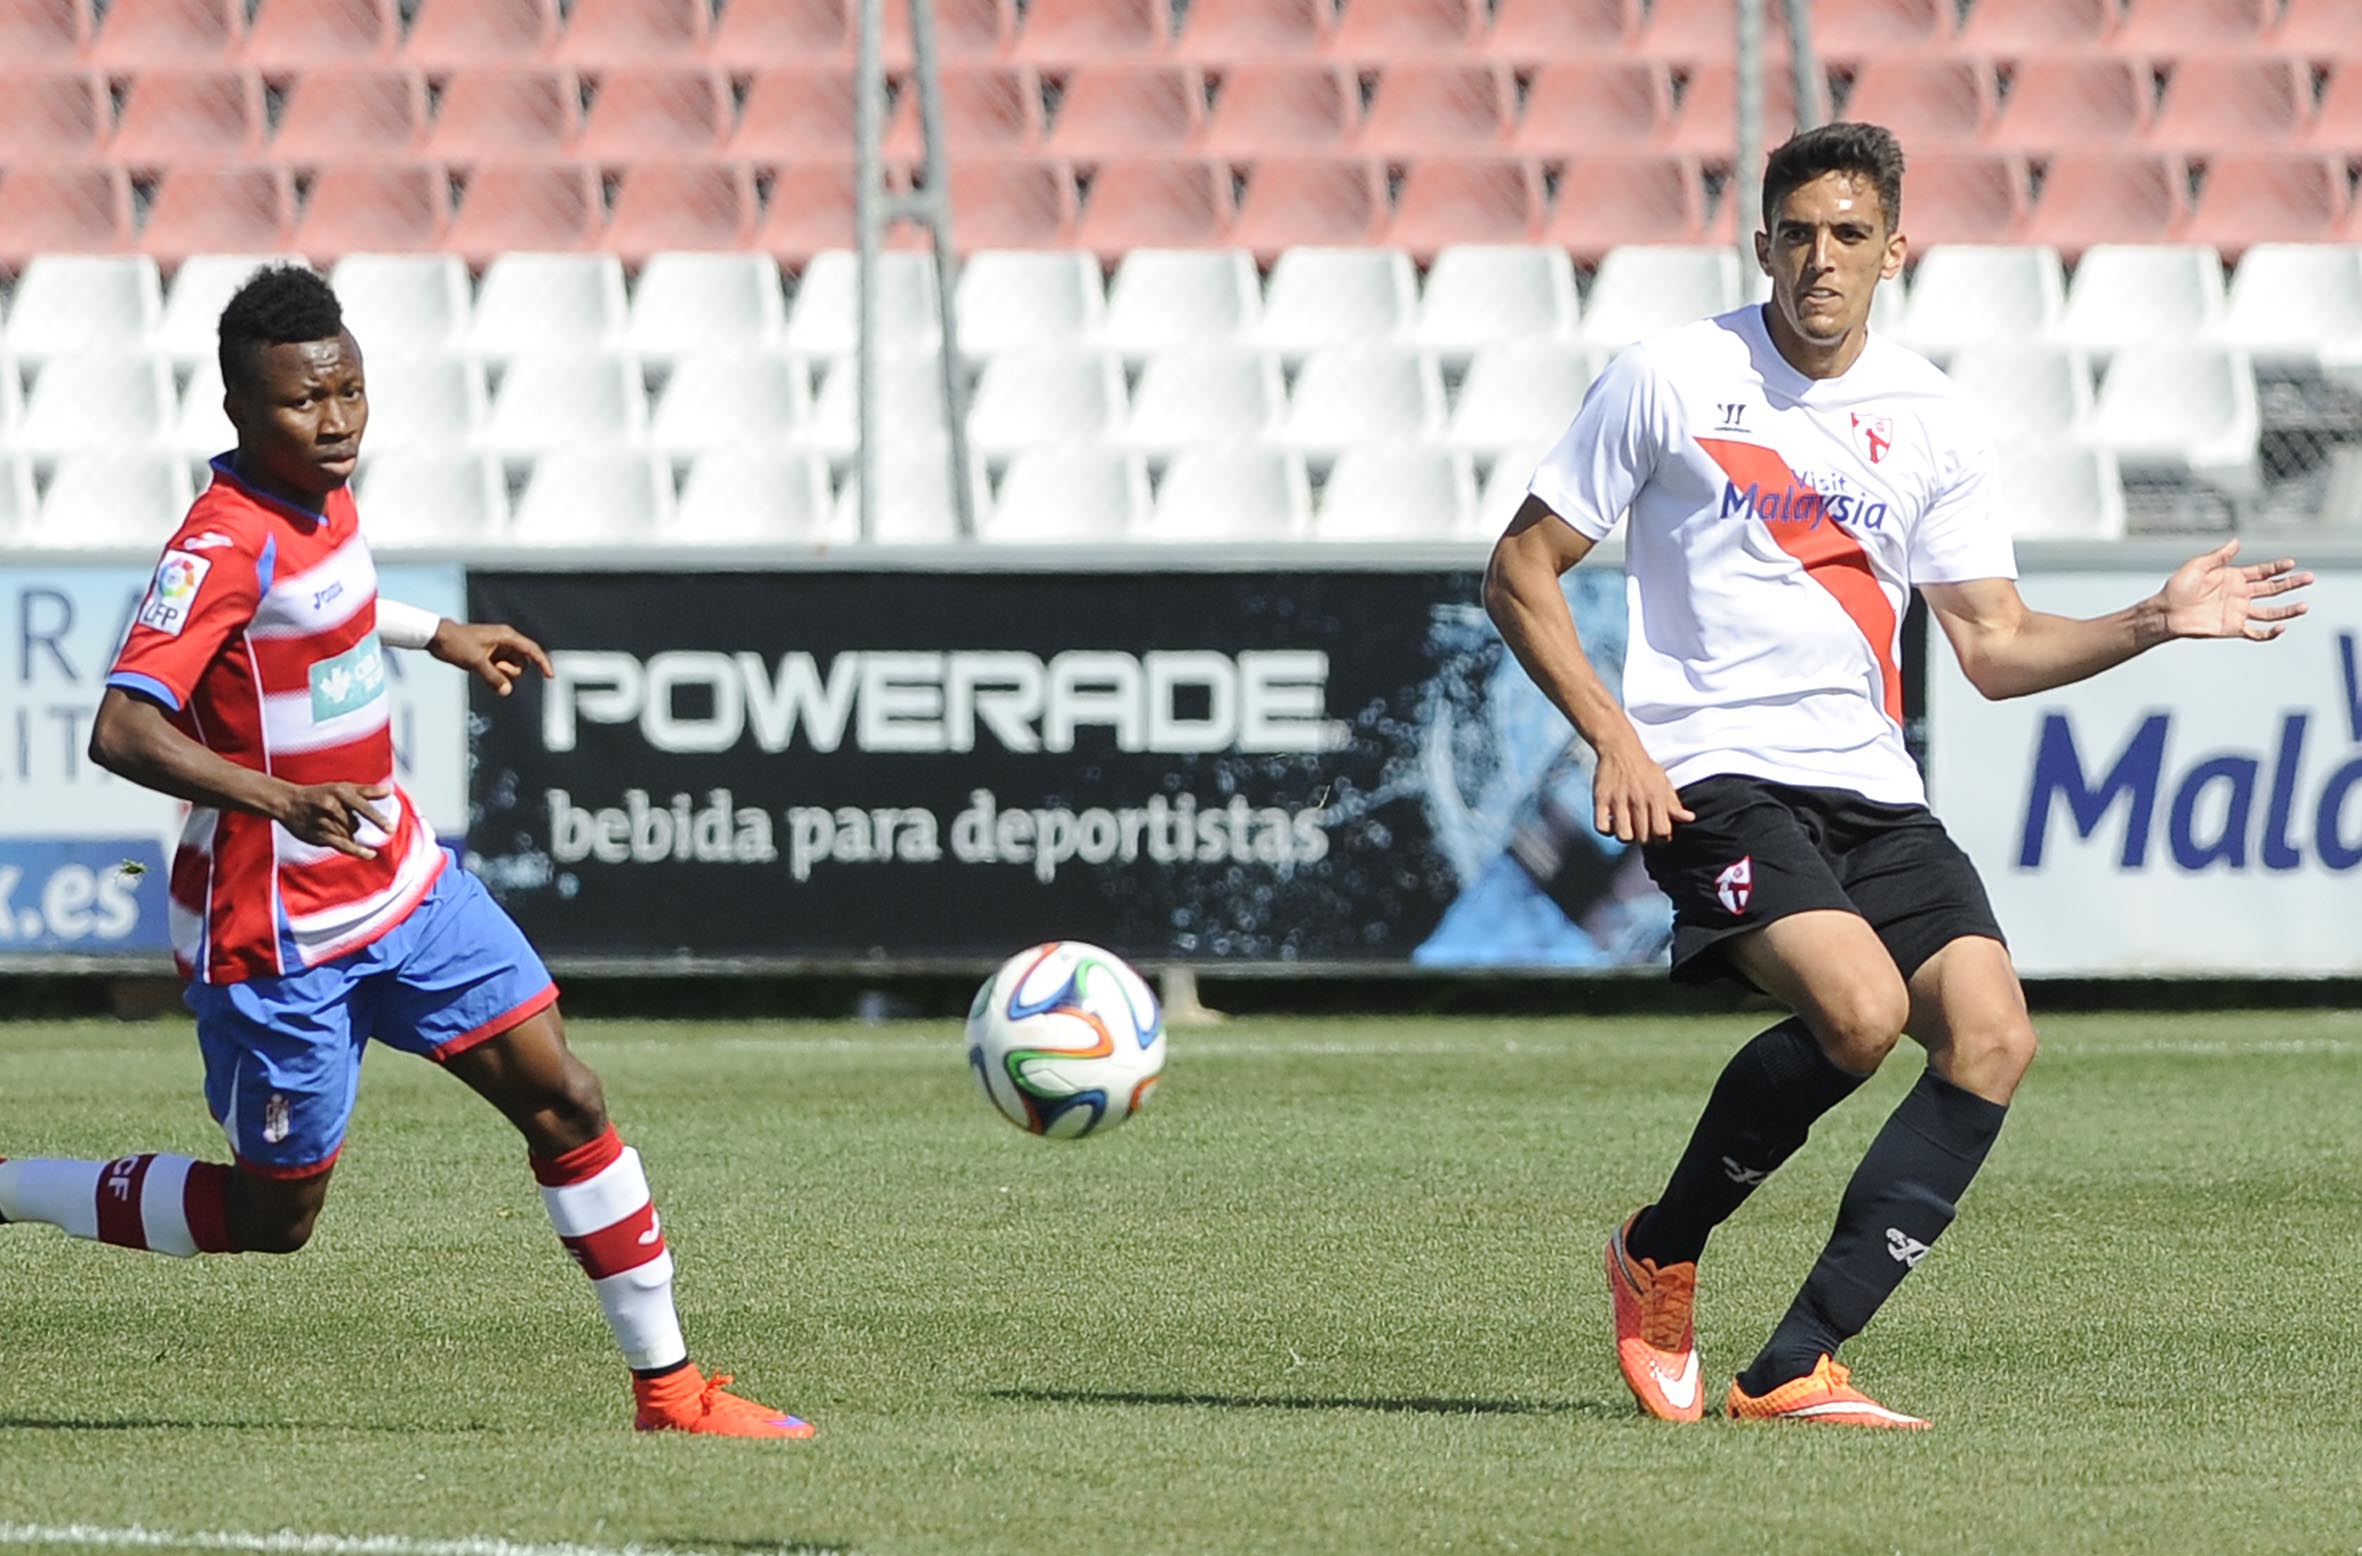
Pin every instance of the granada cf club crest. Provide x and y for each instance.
(1877, 434)
(1736, 884)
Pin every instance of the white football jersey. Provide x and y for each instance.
(1779, 523)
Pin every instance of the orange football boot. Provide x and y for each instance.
(1655, 1344)
(688, 1401)
(1822, 1395)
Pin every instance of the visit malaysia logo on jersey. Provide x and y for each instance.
(352, 680)
(1876, 434)
(178, 578)
(1808, 500)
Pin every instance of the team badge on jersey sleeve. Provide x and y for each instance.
(1876, 434)
(178, 578)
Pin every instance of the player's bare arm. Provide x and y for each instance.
(1631, 798)
(2007, 649)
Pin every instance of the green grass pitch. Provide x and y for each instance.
(1337, 1291)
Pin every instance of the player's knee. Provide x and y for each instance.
(1992, 1059)
(272, 1222)
(1861, 1026)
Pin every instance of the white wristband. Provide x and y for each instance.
(405, 626)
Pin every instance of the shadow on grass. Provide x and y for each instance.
(1434, 1405)
(182, 1424)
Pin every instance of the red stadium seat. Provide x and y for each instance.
(352, 116)
(2268, 197)
(47, 117)
(1245, 31)
(695, 205)
(1449, 201)
(1963, 197)
(506, 116)
(182, 118)
(529, 206)
(2072, 101)
(2186, 28)
(2032, 28)
(1089, 32)
(763, 34)
(43, 32)
(1928, 100)
(796, 114)
(810, 210)
(167, 34)
(659, 114)
(472, 34)
(1384, 32)
(1438, 109)
(1012, 204)
(1584, 107)
(2321, 30)
(1291, 204)
(620, 34)
(1283, 107)
(1707, 31)
(220, 210)
(1129, 110)
(355, 208)
(988, 110)
(1156, 203)
(964, 30)
(290, 35)
(2233, 102)
(1706, 124)
(1848, 30)
(1556, 31)
(2338, 128)
(1608, 202)
(63, 211)
(2108, 197)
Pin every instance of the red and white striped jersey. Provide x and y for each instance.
(259, 635)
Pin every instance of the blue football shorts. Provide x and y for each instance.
(283, 1055)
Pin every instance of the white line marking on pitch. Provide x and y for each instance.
(289, 1542)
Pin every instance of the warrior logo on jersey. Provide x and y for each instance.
(1877, 434)
(1736, 884)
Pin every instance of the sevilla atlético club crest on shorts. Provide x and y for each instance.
(1736, 884)
(1877, 434)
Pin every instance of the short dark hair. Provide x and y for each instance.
(1868, 149)
(278, 305)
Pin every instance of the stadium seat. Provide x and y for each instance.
(101, 402)
(1348, 395)
(633, 34)
(1155, 203)
(1188, 397)
(292, 36)
(566, 399)
(2029, 392)
(756, 496)
(2296, 304)
(1845, 32)
(1544, 32)
(338, 115)
(1337, 297)
(1031, 399)
(1423, 110)
(1589, 107)
(120, 499)
(682, 205)
(916, 506)
(238, 210)
(2268, 197)
(1640, 291)
(1928, 100)
(1396, 32)
(1010, 204)
(1283, 108)
(988, 109)
(1070, 33)
(63, 211)
(549, 303)
(1694, 32)
(139, 35)
(2104, 197)
(1081, 494)
(419, 401)
(355, 208)
(1396, 493)
(964, 30)
(685, 303)
(822, 317)
(593, 497)
(756, 35)
(2337, 128)
(2217, 103)
(52, 116)
(1503, 490)
(2192, 29)
(50, 34)
(2320, 30)
(526, 206)
(1163, 298)
(403, 302)
(2181, 409)
(66, 304)
(1129, 110)
(811, 210)
(2060, 491)
(1224, 32)
(1609, 202)
(432, 497)
(660, 114)
(189, 329)
(202, 118)
(1970, 293)
(1479, 296)
(2131, 294)
(1467, 200)
(1012, 299)
(2072, 101)
(1963, 197)
(2032, 29)
(722, 398)
(797, 114)
(1519, 395)
(1706, 121)
(506, 116)
(201, 428)
(909, 401)
(18, 504)
(474, 34)
(1297, 204)
(1232, 494)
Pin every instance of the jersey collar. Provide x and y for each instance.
(225, 470)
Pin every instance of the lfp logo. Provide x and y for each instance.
(178, 577)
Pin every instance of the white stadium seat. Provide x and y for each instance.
(549, 302)
(1232, 494)
(423, 402)
(190, 328)
(754, 495)
(1640, 291)
(111, 498)
(566, 399)
(73, 303)
(1083, 494)
(1965, 294)
(1009, 299)
(99, 401)
(2297, 304)
(915, 506)
(823, 319)
(201, 428)
(1505, 482)
(1163, 299)
(687, 303)
(594, 497)
(2029, 392)
(1397, 493)
(2182, 409)
(18, 505)
(1215, 394)
(910, 406)
(722, 398)
(1029, 399)
(2060, 491)
(1519, 396)
(2131, 294)
(403, 303)
(1480, 296)
(1349, 395)
(432, 497)
(1337, 297)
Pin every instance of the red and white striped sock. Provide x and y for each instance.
(597, 1198)
(164, 1204)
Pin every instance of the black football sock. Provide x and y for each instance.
(1901, 1198)
(1763, 1105)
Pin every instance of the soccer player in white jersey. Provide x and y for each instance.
(1789, 479)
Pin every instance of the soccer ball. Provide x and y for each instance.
(1066, 1040)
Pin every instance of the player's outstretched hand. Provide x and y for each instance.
(2211, 597)
(1632, 799)
(329, 815)
(495, 651)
